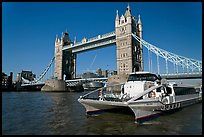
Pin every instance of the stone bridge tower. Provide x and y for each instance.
(129, 51)
(65, 61)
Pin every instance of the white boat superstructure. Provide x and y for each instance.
(145, 93)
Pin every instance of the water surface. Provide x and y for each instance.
(53, 113)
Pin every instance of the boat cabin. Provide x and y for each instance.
(140, 81)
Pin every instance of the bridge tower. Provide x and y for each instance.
(128, 51)
(65, 61)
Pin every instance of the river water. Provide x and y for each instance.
(59, 113)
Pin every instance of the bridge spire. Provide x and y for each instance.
(128, 11)
(74, 40)
(117, 16)
(117, 22)
(56, 39)
(62, 36)
(128, 7)
(139, 20)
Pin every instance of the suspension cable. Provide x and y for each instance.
(180, 60)
(45, 71)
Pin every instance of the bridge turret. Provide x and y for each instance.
(57, 40)
(65, 39)
(122, 19)
(128, 59)
(139, 28)
(139, 24)
(58, 58)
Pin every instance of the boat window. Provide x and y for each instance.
(159, 77)
(197, 89)
(158, 89)
(142, 77)
(184, 90)
(168, 90)
(122, 89)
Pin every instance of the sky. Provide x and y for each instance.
(29, 31)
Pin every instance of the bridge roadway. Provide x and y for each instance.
(197, 75)
(82, 81)
(99, 41)
(33, 84)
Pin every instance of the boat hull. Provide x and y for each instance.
(94, 106)
(189, 101)
(143, 110)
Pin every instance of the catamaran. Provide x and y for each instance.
(144, 93)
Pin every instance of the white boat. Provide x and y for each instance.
(92, 85)
(145, 93)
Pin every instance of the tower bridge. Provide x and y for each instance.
(129, 51)
(128, 38)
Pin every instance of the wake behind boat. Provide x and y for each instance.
(144, 93)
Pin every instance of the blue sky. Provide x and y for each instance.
(29, 30)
